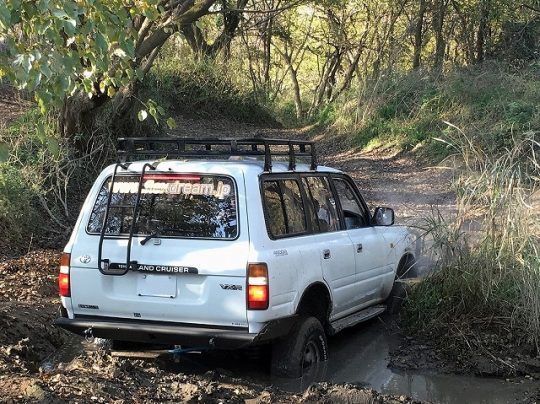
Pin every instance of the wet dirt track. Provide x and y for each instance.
(358, 356)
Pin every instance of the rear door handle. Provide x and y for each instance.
(326, 254)
(359, 247)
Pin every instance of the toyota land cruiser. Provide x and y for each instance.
(228, 244)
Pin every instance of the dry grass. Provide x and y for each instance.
(494, 270)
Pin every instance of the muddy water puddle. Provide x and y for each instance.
(359, 355)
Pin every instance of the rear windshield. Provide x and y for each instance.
(171, 205)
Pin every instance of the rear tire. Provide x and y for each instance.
(301, 351)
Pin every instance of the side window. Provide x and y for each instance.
(324, 204)
(353, 212)
(284, 208)
(275, 216)
(294, 208)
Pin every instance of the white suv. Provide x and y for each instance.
(216, 243)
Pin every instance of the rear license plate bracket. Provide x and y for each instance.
(156, 285)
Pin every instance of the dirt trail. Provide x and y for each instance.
(412, 189)
(31, 371)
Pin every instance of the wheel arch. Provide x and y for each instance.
(406, 266)
(311, 303)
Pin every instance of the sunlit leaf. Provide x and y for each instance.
(53, 146)
(101, 42)
(142, 115)
(171, 123)
(5, 16)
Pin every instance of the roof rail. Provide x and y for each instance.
(141, 148)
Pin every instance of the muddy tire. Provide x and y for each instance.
(407, 268)
(302, 350)
(397, 297)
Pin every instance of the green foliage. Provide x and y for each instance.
(18, 200)
(57, 48)
(42, 183)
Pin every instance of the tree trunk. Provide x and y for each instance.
(296, 91)
(482, 30)
(440, 43)
(346, 82)
(325, 84)
(418, 35)
(267, 52)
(296, 87)
(196, 40)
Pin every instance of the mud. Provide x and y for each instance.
(40, 363)
(364, 356)
(43, 364)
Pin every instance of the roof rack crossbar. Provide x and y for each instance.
(171, 148)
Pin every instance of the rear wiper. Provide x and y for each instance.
(156, 234)
(148, 238)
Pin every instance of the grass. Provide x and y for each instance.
(407, 112)
(493, 272)
(203, 89)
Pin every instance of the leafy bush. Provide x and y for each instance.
(42, 182)
(18, 201)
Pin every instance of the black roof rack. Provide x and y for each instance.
(141, 148)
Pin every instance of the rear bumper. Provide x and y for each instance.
(173, 333)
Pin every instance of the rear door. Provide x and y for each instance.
(190, 244)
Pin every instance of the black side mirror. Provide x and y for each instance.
(383, 217)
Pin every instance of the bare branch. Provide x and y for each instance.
(536, 10)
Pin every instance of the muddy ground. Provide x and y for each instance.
(28, 304)
(31, 369)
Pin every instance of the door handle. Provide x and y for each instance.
(359, 247)
(326, 254)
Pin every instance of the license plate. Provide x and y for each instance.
(156, 285)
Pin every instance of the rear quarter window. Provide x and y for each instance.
(284, 208)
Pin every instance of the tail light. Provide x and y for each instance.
(63, 277)
(257, 287)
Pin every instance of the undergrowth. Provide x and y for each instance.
(489, 253)
(203, 89)
(42, 183)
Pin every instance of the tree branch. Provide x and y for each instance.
(536, 10)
